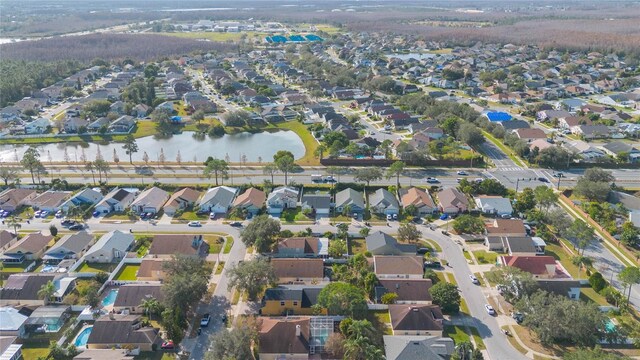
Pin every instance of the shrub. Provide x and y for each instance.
(597, 282)
(389, 298)
(368, 254)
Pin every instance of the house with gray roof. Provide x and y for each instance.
(380, 243)
(71, 246)
(150, 200)
(12, 322)
(418, 347)
(118, 331)
(218, 199)
(22, 288)
(619, 148)
(384, 202)
(116, 200)
(282, 198)
(320, 204)
(84, 197)
(131, 296)
(496, 205)
(111, 247)
(350, 198)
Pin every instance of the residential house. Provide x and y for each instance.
(349, 199)
(418, 198)
(380, 243)
(297, 270)
(7, 239)
(541, 267)
(111, 247)
(218, 200)
(251, 201)
(629, 202)
(418, 347)
(530, 134)
(319, 204)
(152, 269)
(452, 201)
(12, 322)
(296, 247)
(416, 319)
(38, 126)
(181, 200)
(50, 200)
(123, 124)
(290, 300)
(584, 150)
(188, 245)
(123, 331)
(104, 354)
(150, 200)
(398, 266)
(71, 246)
(541, 144)
(516, 245)
(84, 197)
(140, 111)
(72, 125)
(22, 288)
(12, 199)
(116, 200)
(619, 149)
(384, 202)
(282, 198)
(514, 125)
(570, 122)
(409, 291)
(29, 248)
(591, 131)
(131, 296)
(563, 287)
(496, 205)
(284, 338)
(500, 229)
(48, 319)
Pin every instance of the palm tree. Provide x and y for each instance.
(89, 167)
(270, 169)
(361, 348)
(582, 261)
(13, 222)
(319, 152)
(46, 291)
(150, 305)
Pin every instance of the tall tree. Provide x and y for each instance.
(466, 351)
(217, 167)
(396, 169)
(447, 296)
(367, 175)
(130, 146)
(340, 298)
(285, 164)
(319, 152)
(8, 174)
(89, 167)
(525, 201)
(251, 277)
(545, 197)
(261, 233)
(102, 167)
(46, 291)
(270, 169)
(581, 233)
(13, 222)
(629, 276)
(31, 162)
(409, 232)
(234, 344)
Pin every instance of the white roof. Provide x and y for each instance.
(115, 239)
(11, 319)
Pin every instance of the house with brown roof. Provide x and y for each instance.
(180, 200)
(252, 200)
(419, 198)
(118, 331)
(500, 229)
(416, 320)
(12, 199)
(296, 247)
(398, 266)
(166, 245)
(284, 338)
(541, 267)
(51, 200)
(30, 247)
(22, 288)
(452, 201)
(409, 291)
(530, 134)
(298, 271)
(131, 296)
(7, 239)
(104, 354)
(151, 269)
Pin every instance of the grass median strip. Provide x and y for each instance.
(505, 149)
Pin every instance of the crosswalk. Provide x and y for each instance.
(511, 168)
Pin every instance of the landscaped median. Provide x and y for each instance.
(505, 149)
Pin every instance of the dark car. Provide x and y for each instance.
(76, 227)
(423, 250)
(433, 264)
(542, 179)
(235, 224)
(445, 233)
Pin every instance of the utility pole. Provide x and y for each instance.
(560, 175)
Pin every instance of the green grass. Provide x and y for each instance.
(236, 297)
(457, 333)
(464, 308)
(358, 246)
(16, 268)
(505, 149)
(382, 315)
(432, 244)
(476, 336)
(119, 216)
(565, 259)
(441, 277)
(128, 272)
(294, 215)
(219, 268)
(34, 351)
(215, 244)
(467, 255)
(485, 257)
(97, 267)
(589, 295)
(228, 245)
(310, 143)
(192, 216)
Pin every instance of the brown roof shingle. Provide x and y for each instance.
(400, 264)
(408, 289)
(278, 335)
(252, 196)
(178, 244)
(416, 317)
(298, 268)
(417, 197)
(308, 244)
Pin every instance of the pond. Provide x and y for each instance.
(253, 146)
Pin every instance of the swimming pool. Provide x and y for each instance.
(110, 298)
(83, 337)
(610, 326)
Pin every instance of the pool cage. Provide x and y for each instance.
(321, 327)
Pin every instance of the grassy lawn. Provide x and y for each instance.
(381, 321)
(588, 294)
(293, 215)
(505, 149)
(219, 268)
(128, 272)
(565, 259)
(191, 216)
(228, 245)
(215, 36)
(441, 277)
(476, 336)
(97, 267)
(236, 297)
(464, 308)
(457, 333)
(144, 128)
(514, 343)
(467, 255)
(34, 351)
(485, 257)
(432, 244)
(357, 246)
(215, 243)
(155, 355)
(120, 216)
(310, 143)
(15, 268)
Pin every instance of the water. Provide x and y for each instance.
(83, 337)
(417, 56)
(110, 298)
(610, 326)
(254, 146)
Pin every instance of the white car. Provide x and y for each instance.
(490, 309)
(194, 224)
(474, 279)
(389, 217)
(461, 172)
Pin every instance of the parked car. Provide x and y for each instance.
(212, 215)
(37, 214)
(204, 322)
(395, 216)
(461, 172)
(167, 345)
(59, 214)
(506, 216)
(543, 179)
(44, 214)
(474, 279)
(67, 222)
(355, 216)
(489, 309)
(433, 264)
(423, 250)
(518, 317)
(558, 174)
(235, 224)
(389, 217)
(96, 213)
(77, 226)
(194, 224)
